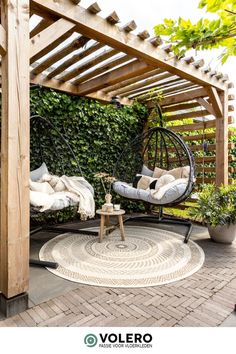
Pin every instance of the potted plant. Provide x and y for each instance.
(216, 206)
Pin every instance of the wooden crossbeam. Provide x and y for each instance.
(44, 23)
(50, 38)
(94, 8)
(55, 84)
(147, 94)
(132, 80)
(194, 114)
(101, 69)
(74, 59)
(198, 126)
(144, 35)
(215, 100)
(130, 26)
(184, 97)
(210, 147)
(88, 64)
(113, 18)
(156, 41)
(180, 107)
(99, 29)
(60, 54)
(3, 43)
(125, 72)
(142, 85)
(171, 90)
(206, 136)
(206, 105)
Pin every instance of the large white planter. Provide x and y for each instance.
(223, 234)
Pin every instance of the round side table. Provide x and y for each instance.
(105, 223)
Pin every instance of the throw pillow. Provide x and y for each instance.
(146, 171)
(43, 187)
(163, 180)
(179, 172)
(143, 182)
(35, 175)
(158, 172)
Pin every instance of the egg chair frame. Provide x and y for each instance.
(156, 147)
(38, 123)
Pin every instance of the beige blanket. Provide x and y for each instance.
(80, 187)
(55, 193)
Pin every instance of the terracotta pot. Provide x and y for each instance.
(222, 234)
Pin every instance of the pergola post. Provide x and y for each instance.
(14, 238)
(222, 140)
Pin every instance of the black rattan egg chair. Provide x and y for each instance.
(156, 147)
(61, 155)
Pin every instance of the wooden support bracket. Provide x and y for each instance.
(216, 102)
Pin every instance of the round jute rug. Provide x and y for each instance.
(147, 257)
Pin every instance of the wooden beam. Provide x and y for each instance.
(99, 29)
(198, 126)
(14, 236)
(43, 80)
(146, 93)
(101, 69)
(104, 98)
(210, 147)
(60, 54)
(3, 44)
(209, 159)
(113, 18)
(142, 85)
(180, 107)
(88, 64)
(130, 26)
(216, 102)
(206, 136)
(74, 59)
(222, 141)
(194, 114)
(156, 41)
(135, 79)
(94, 8)
(125, 72)
(144, 35)
(44, 23)
(184, 97)
(206, 105)
(50, 38)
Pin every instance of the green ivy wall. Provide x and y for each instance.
(97, 134)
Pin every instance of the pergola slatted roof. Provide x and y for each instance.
(77, 51)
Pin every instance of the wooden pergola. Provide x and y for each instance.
(74, 50)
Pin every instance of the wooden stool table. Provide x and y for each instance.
(105, 222)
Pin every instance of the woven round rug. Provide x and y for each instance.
(147, 257)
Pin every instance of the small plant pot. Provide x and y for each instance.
(222, 234)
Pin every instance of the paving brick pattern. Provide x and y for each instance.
(204, 299)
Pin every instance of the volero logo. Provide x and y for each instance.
(119, 340)
(90, 340)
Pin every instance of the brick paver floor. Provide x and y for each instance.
(206, 298)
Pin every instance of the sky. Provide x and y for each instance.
(148, 13)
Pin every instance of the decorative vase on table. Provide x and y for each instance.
(108, 204)
(108, 198)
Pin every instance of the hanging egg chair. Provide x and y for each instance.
(157, 168)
